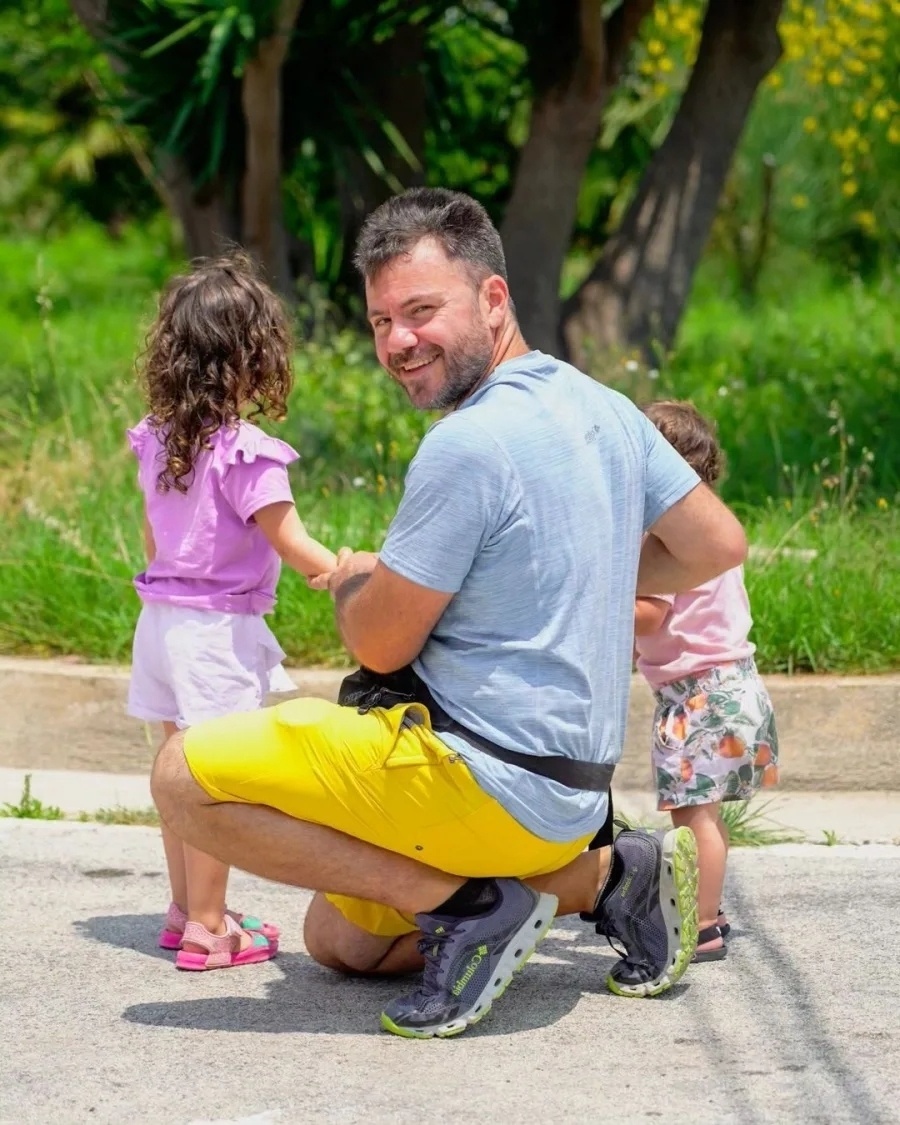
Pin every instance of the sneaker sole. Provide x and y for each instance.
(517, 954)
(678, 899)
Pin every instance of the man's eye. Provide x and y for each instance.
(421, 308)
(380, 322)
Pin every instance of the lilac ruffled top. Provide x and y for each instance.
(210, 554)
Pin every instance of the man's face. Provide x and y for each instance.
(432, 326)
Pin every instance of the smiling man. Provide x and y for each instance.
(447, 830)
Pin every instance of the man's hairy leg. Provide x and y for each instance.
(334, 941)
(265, 842)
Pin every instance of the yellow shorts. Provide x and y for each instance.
(376, 778)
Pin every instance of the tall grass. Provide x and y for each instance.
(799, 395)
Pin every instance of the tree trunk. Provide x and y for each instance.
(565, 119)
(636, 293)
(262, 223)
(208, 218)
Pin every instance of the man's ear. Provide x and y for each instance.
(495, 294)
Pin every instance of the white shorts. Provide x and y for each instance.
(194, 664)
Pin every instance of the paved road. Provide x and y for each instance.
(800, 1024)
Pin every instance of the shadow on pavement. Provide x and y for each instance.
(313, 1000)
(125, 931)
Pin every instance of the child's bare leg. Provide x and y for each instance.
(712, 854)
(174, 849)
(207, 882)
(726, 842)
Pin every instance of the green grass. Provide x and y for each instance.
(140, 818)
(802, 474)
(30, 808)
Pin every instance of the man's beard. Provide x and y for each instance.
(464, 368)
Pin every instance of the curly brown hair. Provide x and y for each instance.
(685, 428)
(221, 342)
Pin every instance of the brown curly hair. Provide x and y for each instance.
(221, 341)
(685, 428)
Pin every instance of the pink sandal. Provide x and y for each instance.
(223, 951)
(172, 933)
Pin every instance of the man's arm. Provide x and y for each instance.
(692, 542)
(384, 620)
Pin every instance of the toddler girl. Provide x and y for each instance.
(714, 734)
(219, 518)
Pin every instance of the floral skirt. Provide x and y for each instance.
(714, 737)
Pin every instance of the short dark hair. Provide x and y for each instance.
(457, 222)
(685, 428)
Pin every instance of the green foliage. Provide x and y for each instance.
(183, 61)
(63, 151)
(30, 808)
(70, 514)
(749, 826)
(142, 818)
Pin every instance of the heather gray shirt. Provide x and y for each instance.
(528, 505)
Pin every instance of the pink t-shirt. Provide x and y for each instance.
(209, 552)
(704, 628)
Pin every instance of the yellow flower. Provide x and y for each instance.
(810, 125)
(666, 66)
(866, 221)
(835, 77)
(862, 145)
(647, 67)
(850, 188)
(774, 80)
(662, 17)
(800, 201)
(856, 66)
(814, 76)
(893, 134)
(660, 89)
(882, 504)
(860, 109)
(847, 167)
(656, 49)
(843, 35)
(881, 111)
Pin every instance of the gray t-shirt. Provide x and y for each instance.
(528, 505)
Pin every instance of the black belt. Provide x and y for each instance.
(364, 690)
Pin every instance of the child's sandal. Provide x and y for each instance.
(172, 933)
(223, 951)
(706, 949)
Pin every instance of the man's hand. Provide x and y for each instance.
(350, 564)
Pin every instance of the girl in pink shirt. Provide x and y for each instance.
(714, 734)
(219, 520)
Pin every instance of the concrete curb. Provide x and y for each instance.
(820, 818)
(836, 733)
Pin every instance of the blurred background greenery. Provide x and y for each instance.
(697, 199)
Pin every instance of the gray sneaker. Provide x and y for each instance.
(652, 911)
(470, 961)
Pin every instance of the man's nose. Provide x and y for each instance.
(401, 338)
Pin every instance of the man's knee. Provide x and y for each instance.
(171, 783)
(337, 944)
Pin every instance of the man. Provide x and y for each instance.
(507, 579)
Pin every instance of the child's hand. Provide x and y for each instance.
(350, 564)
(319, 581)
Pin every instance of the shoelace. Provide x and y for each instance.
(432, 949)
